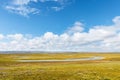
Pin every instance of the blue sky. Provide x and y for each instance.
(56, 18)
(90, 12)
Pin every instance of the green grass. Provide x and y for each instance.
(107, 69)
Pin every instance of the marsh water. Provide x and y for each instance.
(65, 60)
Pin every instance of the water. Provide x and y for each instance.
(65, 60)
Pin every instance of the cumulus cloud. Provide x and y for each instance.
(77, 27)
(24, 7)
(1, 36)
(98, 38)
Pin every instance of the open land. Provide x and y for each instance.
(60, 66)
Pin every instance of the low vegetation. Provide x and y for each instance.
(106, 69)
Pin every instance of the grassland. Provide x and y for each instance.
(106, 69)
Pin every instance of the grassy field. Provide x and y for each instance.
(106, 69)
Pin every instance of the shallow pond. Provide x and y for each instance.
(65, 60)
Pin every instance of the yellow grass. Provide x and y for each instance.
(107, 69)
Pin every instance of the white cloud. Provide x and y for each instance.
(24, 7)
(22, 10)
(77, 27)
(98, 38)
(23, 2)
(57, 8)
(116, 20)
(15, 37)
(1, 36)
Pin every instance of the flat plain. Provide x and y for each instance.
(104, 69)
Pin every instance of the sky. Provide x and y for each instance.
(60, 25)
